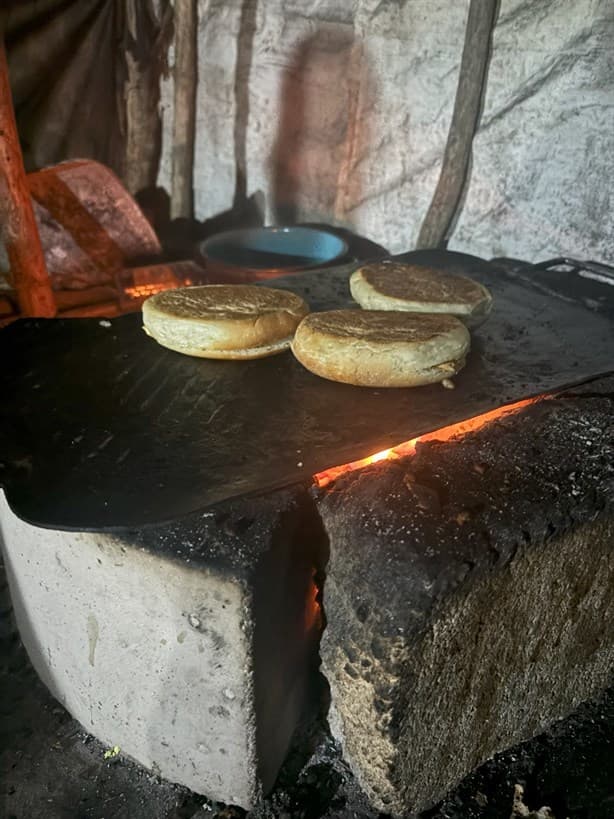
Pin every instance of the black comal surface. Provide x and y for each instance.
(100, 427)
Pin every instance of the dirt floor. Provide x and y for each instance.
(51, 769)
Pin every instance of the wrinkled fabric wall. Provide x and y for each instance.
(338, 111)
(348, 106)
(543, 157)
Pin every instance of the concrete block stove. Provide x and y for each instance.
(467, 589)
(189, 645)
(469, 595)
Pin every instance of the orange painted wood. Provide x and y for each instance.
(19, 231)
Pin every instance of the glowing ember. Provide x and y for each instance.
(313, 610)
(142, 291)
(380, 456)
(146, 289)
(409, 447)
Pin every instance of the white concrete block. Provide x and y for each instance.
(181, 664)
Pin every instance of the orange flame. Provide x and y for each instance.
(409, 447)
(313, 610)
(143, 291)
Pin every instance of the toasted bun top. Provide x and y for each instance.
(415, 288)
(224, 321)
(415, 282)
(382, 326)
(225, 302)
(381, 348)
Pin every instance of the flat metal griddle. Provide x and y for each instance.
(102, 428)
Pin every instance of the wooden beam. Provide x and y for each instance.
(19, 231)
(185, 76)
(442, 212)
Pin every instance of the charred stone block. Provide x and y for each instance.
(469, 596)
(188, 645)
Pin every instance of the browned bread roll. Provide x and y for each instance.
(394, 285)
(224, 321)
(377, 348)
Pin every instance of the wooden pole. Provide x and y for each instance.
(19, 230)
(442, 212)
(184, 127)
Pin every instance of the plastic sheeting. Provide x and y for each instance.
(337, 111)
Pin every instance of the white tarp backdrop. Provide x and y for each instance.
(338, 111)
(543, 158)
(349, 104)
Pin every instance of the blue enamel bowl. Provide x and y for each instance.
(271, 251)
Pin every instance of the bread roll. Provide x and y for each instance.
(378, 348)
(224, 321)
(416, 289)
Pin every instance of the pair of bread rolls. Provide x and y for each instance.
(412, 329)
(410, 333)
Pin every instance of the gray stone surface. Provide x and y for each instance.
(188, 646)
(469, 596)
(49, 767)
